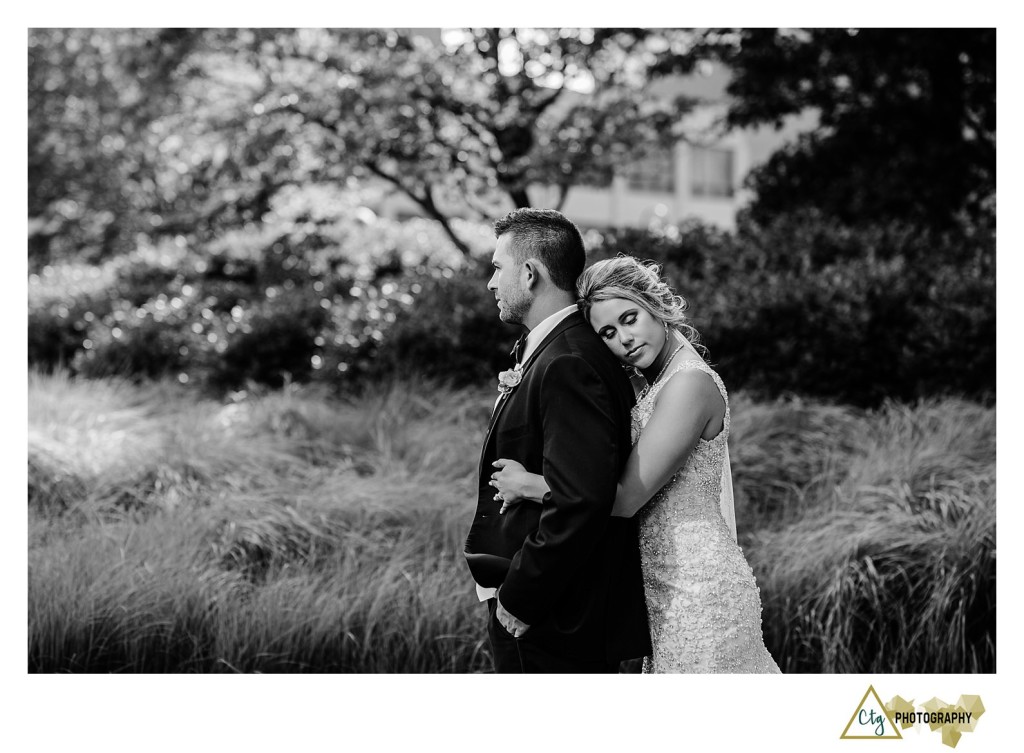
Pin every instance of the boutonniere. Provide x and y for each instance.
(509, 380)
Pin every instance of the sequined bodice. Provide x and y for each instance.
(703, 603)
(703, 471)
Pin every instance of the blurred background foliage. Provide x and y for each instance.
(200, 201)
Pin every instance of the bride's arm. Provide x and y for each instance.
(683, 409)
(513, 483)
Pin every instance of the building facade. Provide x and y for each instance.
(701, 177)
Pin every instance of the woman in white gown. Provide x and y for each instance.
(703, 604)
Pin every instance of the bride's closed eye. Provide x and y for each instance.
(628, 320)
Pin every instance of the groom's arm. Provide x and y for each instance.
(581, 466)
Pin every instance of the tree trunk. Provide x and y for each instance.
(450, 232)
(563, 194)
(427, 202)
(519, 197)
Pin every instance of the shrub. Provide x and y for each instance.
(62, 302)
(278, 343)
(803, 305)
(308, 296)
(808, 306)
(452, 331)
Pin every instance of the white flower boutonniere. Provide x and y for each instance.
(509, 380)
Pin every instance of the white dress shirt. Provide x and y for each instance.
(533, 339)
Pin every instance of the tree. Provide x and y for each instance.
(464, 122)
(93, 159)
(194, 132)
(907, 117)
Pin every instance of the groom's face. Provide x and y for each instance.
(507, 284)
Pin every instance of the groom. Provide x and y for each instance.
(561, 579)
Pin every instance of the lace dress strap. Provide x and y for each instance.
(700, 366)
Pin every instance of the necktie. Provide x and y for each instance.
(518, 348)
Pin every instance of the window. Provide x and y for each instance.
(710, 172)
(655, 172)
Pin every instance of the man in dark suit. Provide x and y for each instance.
(561, 579)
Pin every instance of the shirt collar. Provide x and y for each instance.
(542, 330)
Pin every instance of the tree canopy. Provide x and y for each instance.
(98, 100)
(232, 116)
(195, 131)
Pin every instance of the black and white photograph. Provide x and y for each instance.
(515, 350)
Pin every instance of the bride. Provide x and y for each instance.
(703, 604)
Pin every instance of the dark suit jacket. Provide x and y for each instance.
(565, 567)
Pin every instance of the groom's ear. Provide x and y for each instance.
(532, 271)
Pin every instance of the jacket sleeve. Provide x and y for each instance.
(581, 466)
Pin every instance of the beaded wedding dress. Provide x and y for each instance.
(703, 603)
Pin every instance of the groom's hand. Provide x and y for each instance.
(508, 621)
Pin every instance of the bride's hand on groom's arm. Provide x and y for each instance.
(515, 484)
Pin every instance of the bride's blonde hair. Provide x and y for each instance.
(641, 283)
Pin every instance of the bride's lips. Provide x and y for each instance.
(632, 354)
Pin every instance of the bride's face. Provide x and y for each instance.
(633, 334)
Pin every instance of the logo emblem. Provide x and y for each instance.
(871, 720)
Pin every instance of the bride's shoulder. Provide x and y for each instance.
(691, 382)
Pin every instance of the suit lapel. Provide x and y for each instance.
(574, 319)
(502, 400)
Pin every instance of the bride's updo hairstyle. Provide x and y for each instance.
(641, 283)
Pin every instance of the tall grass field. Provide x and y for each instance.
(287, 531)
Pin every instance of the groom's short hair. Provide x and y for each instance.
(551, 238)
